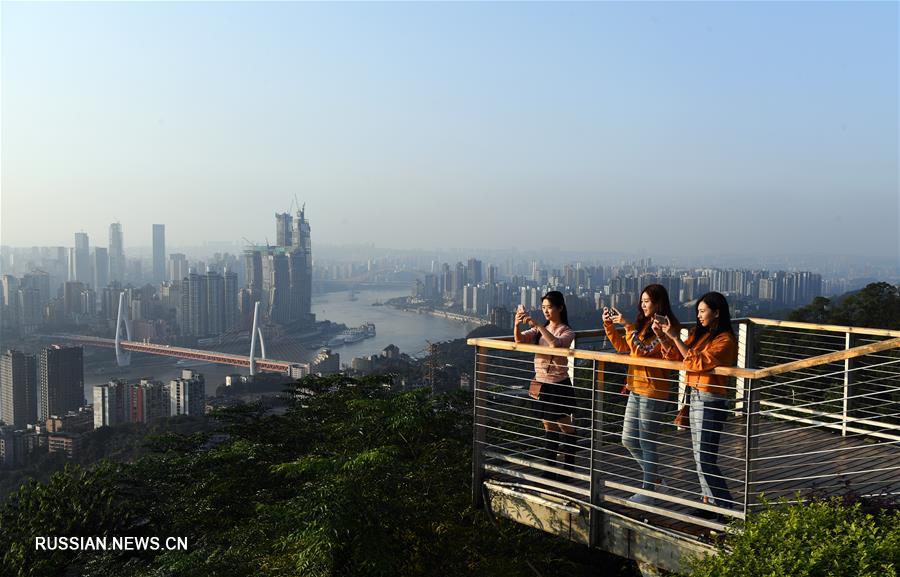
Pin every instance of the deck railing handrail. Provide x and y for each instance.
(827, 358)
(503, 343)
(826, 328)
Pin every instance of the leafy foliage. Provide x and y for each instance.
(351, 480)
(875, 306)
(819, 539)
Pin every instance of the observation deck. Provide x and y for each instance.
(814, 410)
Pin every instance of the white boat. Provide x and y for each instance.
(191, 363)
(350, 336)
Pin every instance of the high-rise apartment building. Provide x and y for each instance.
(18, 389)
(31, 311)
(118, 402)
(187, 395)
(110, 400)
(230, 302)
(80, 269)
(194, 314)
(147, 401)
(208, 303)
(72, 299)
(101, 269)
(39, 280)
(116, 253)
(178, 267)
(159, 253)
(61, 380)
(473, 271)
(215, 303)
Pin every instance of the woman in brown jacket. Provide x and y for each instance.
(648, 386)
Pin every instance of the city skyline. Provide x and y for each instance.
(738, 128)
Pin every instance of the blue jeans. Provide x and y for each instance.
(708, 414)
(640, 434)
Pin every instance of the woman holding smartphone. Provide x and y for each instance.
(648, 387)
(554, 400)
(710, 344)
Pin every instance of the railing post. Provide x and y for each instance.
(751, 439)
(848, 404)
(682, 374)
(596, 440)
(478, 432)
(746, 334)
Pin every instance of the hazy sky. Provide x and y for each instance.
(667, 128)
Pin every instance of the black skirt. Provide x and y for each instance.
(557, 400)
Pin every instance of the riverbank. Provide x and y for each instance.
(401, 303)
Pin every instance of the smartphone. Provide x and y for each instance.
(521, 309)
(661, 319)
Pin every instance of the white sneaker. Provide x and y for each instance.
(641, 499)
(662, 488)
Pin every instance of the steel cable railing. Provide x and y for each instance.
(827, 416)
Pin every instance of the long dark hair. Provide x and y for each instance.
(715, 301)
(557, 299)
(659, 296)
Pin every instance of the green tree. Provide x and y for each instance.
(875, 306)
(817, 312)
(351, 480)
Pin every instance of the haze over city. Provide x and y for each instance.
(666, 128)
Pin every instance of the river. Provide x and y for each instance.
(408, 330)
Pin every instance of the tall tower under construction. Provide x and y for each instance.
(280, 276)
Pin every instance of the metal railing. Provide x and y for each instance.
(819, 414)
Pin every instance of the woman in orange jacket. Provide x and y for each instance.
(649, 387)
(711, 344)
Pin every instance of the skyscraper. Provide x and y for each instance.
(283, 229)
(61, 384)
(301, 273)
(253, 268)
(276, 286)
(18, 389)
(280, 277)
(101, 268)
(230, 304)
(116, 253)
(159, 253)
(81, 266)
